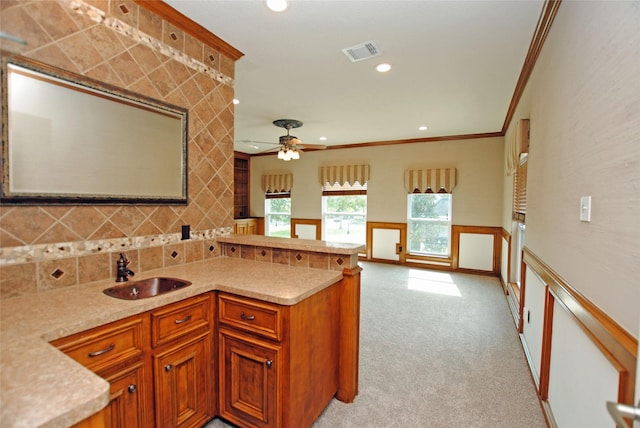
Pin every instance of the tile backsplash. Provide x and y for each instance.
(121, 43)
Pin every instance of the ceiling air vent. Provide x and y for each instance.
(362, 51)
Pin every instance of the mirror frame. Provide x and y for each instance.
(104, 91)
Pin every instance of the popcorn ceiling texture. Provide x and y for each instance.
(122, 44)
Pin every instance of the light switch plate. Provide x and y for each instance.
(585, 208)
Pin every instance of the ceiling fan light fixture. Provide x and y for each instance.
(295, 155)
(277, 5)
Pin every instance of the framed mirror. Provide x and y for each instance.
(70, 139)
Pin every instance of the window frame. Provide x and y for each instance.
(337, 190)
(268, 213)
(448, 222)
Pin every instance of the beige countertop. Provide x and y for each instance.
(294, 244)
(40, 386)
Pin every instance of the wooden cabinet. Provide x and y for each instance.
(183, 385)
(183, 362)
(160, 366)
(278, 365)
(127, 407)
(249, 380)
(118, 353)
(245, 226)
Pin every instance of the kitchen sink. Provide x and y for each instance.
(145, 288)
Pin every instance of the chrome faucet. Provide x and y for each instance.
(123, 271)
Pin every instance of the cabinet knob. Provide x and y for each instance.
(168, 368)
(269, 363)
(132, 388)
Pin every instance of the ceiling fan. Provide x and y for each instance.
(290, 145)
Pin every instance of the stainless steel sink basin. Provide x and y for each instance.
(145, 288)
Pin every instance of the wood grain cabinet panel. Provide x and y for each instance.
(183, 384)
(278, 365)
(128, 402)
(184, 387)
(117, 352)
(245, 226)
(249, 383)
(175, 321)
(105, 346)
(253, 316)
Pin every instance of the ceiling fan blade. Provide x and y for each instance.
(311, 146)
(270, 150)
(254, 142)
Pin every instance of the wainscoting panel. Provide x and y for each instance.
(305, 231)
(386, 242)
(533, 321)
(305, 228)
(586, 357)
(476, 249)
(581, 379)
(476, 252)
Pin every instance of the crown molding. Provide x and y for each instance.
(166, 12)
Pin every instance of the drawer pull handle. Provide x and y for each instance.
(269, 363)
(132, 388)
(102, 351)
(187, 318)
(247, 317)
(168, 368)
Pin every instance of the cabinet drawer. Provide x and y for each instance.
(191, 316)
(107, 345)
(249, 315)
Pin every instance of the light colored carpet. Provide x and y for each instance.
(437, 349)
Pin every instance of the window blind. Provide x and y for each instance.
(518, 144)
(520, 191)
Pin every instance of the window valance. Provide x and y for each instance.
(517, 145)
(342, 174)
(434, 180)
(277, 183)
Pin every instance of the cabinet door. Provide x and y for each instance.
(248, 380)
(128, 398)
(183, 384)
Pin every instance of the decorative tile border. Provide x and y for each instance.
(55, 251)
(120, 27)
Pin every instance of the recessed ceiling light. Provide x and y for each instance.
(383, 68)
(236, 101)
(323, 138)
(422, 128)
(277, 5)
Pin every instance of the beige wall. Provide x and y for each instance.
(477, 197)
(64, 38)
(583, 101)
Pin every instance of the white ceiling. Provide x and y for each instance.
(455, 65)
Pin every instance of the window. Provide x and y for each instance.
(277, 209)
(519, 214)
(344, 213)
(429, 224)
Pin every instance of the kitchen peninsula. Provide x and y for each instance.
(41, 386)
